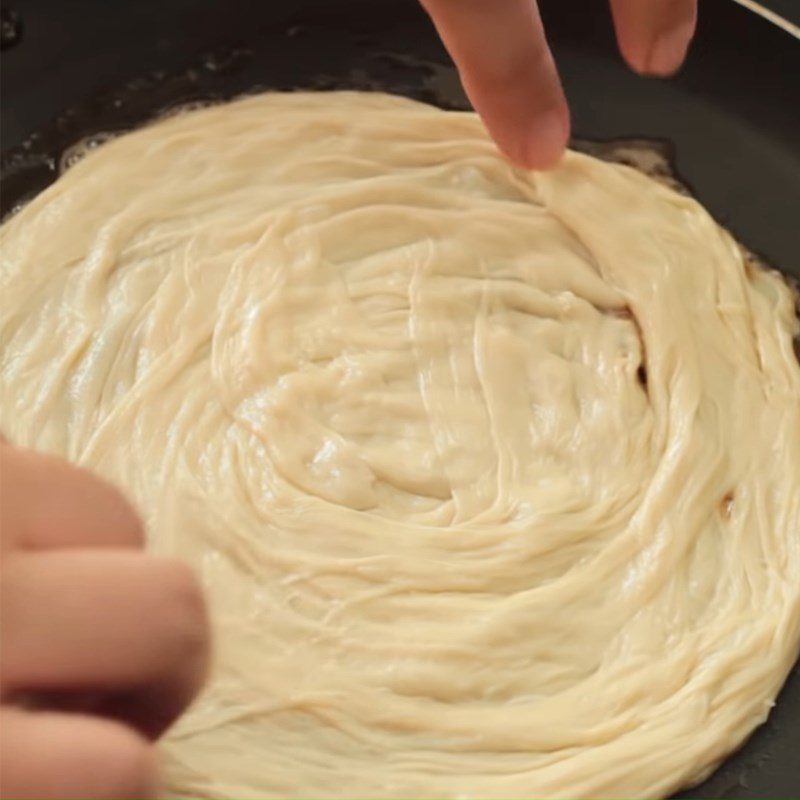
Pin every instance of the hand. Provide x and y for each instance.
(101, 646)
(508, 72)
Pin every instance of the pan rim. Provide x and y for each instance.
(771, 16)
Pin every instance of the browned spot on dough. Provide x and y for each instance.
(641, 372)
(622, 312)
(726, 505)
(750, 267)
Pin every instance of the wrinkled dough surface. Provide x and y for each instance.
(493, 477)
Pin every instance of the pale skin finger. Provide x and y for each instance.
(131, 628)
(46, 503)
(46, 755)
(508, 72)
(654, 35)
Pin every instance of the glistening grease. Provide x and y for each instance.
(493, 477)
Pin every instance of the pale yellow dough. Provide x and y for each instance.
(383, 390)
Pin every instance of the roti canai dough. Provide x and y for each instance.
(492, 477)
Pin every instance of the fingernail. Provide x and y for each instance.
(669, 50)
(546, 142)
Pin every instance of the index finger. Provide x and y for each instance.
(508, 73)
(47, 503)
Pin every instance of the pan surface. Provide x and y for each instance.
(87, 67)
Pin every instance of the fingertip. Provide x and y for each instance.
(52, 504)
(654, 37)
(546, 142)
(85, 757)
(635, 59)
(668, 51)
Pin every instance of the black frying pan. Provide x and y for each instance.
(731, 119)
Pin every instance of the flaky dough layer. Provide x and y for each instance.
(493, 477)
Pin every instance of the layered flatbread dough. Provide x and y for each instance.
(493, 477)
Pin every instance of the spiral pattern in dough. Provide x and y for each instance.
(493, 477)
